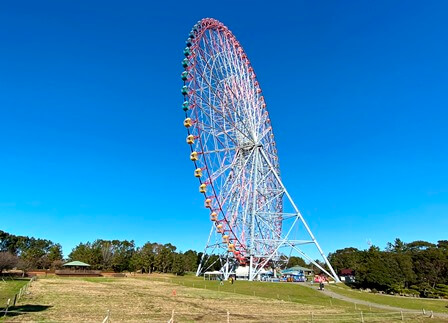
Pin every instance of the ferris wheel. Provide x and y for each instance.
(232, 148)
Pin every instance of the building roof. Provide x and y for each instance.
(76, 263)
(216, 272)
(347, 271)
(242, 271)
(296, 268)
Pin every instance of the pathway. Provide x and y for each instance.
(371, 304)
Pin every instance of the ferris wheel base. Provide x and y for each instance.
(217, 251)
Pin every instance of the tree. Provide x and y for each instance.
(36, 253)
(86, 253)
(296, 261)
(397, 246)
(57, 264)
(107, 253)
(442, 244)
(24, 265)
(429, 266)
(375, 270)
(55, 253)
(405, 272)
(33, 256)
(347, 258)
(148, 254)
(164, 257)
(316, 270)
(178, 264)
(122, 254)
(420, 245)
(7, 260)
(191, 257)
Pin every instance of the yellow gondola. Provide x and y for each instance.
(190, 139)
(208, 203)
(194, 156)
(197, 172)
(188, 122)
(202, 188)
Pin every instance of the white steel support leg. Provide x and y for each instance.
(335, 277)
(226, 270)
(252, 270)
(198, 272)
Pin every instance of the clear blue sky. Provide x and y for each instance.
(91, 136)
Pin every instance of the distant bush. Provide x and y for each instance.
(416, 268)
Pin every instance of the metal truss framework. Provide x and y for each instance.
(233, 150)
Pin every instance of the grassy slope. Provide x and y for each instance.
(435, 305)
(283, 291)
(68, 298)
(140, 299)
(9, 288)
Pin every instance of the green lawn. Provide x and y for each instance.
(283, 291)
(142, 297)
(435, 305)
(9, 288)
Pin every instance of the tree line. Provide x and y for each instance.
(121, 256)
(28, 253)
(415, 268)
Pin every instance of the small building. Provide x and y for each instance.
(77, 269)
(296, 274)
(267, 275)
(212, 275)
(347, 275)
(242, 273)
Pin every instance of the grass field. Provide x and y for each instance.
(154, 299)
(8, 288)
(435, 305)
(286, 292)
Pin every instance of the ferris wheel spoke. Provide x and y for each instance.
(234, 207)
(265, 133)
(217, 152)
(269, 201)
(223, 169)
(211, 78)
(245, 87)
(224, 130)
(207, 152)
(235, 181)
(224, 117)
(237, 114)
(219, 142)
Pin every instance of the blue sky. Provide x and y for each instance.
(91, 137)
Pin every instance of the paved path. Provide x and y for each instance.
(375, 305)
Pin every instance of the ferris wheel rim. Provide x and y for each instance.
(207, 24)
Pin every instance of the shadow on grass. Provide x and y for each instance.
(23, 309)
